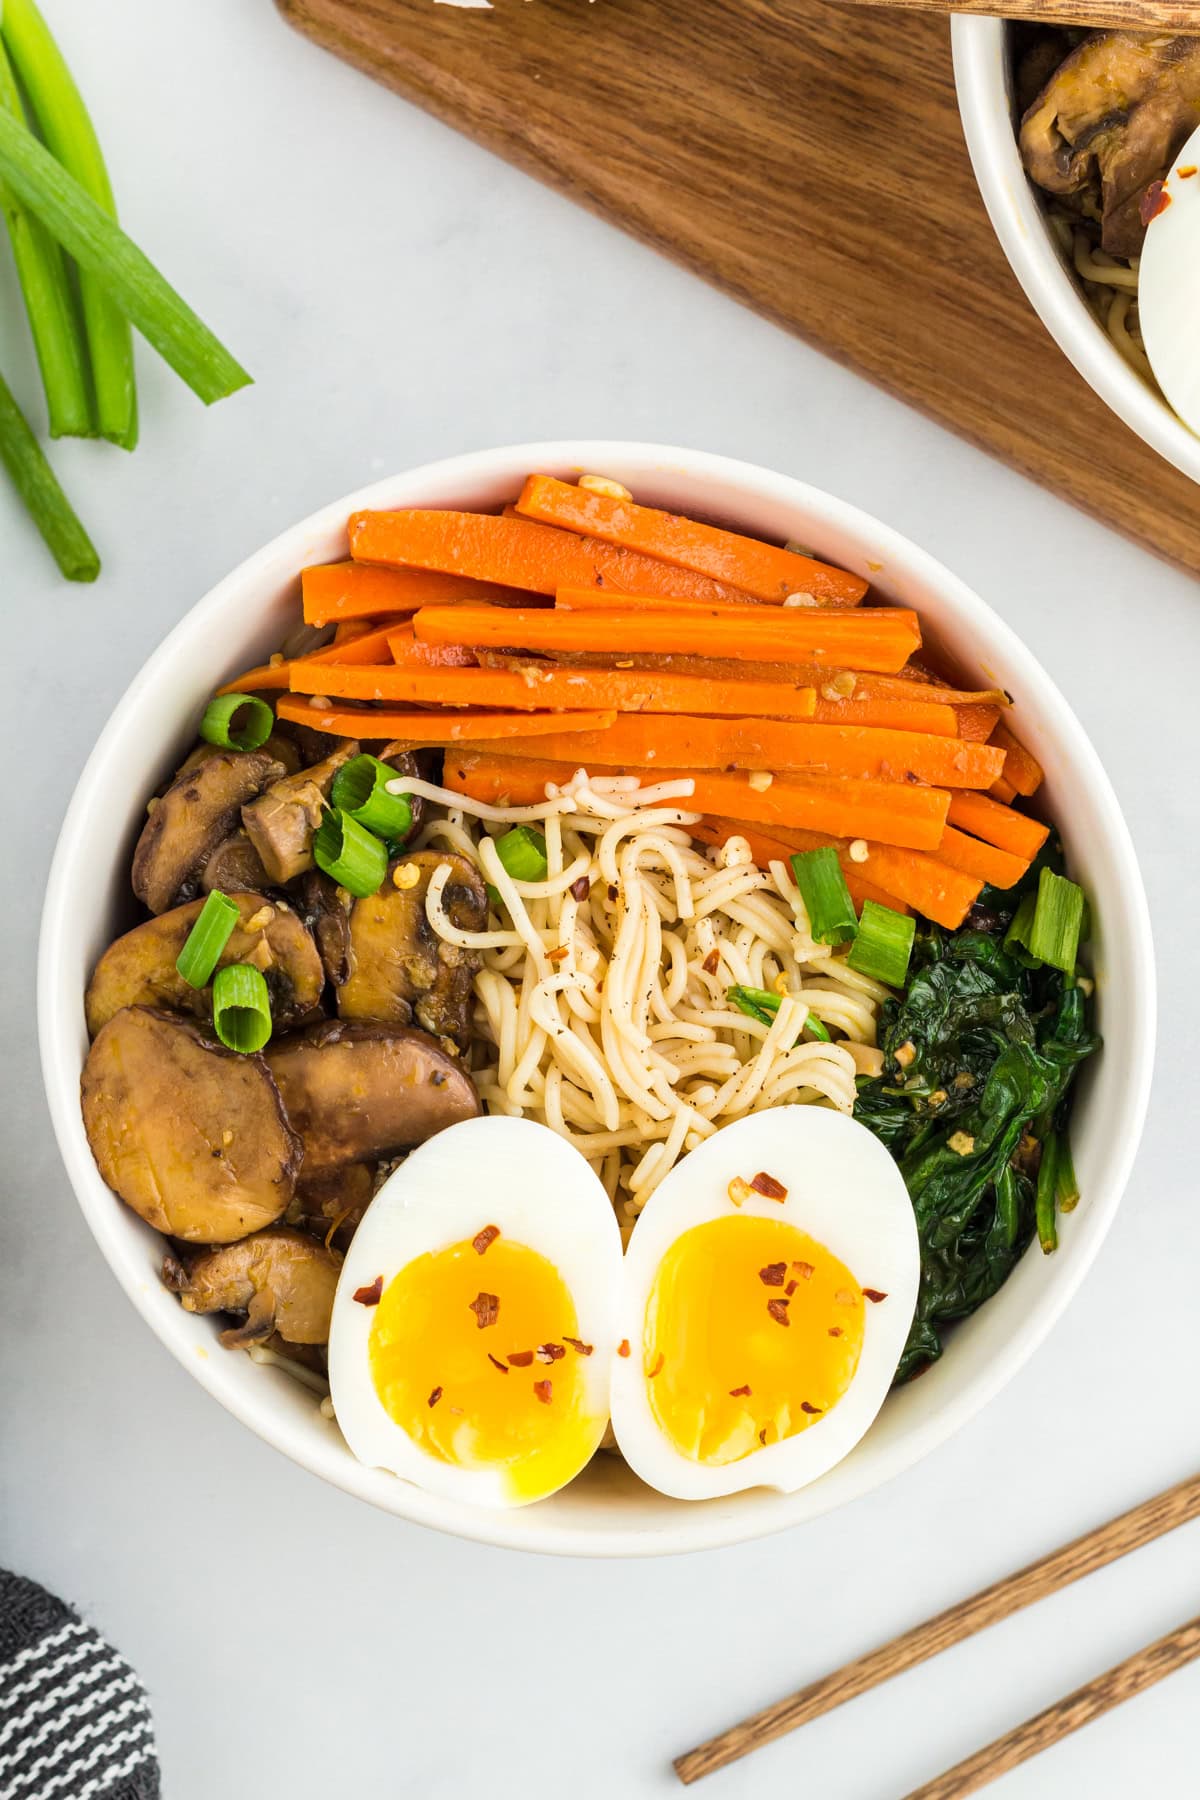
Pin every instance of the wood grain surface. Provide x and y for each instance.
(1110, 15)
(807, 159)
(1083, 1556)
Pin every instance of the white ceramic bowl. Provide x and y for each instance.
(88, 901)
(983, 77)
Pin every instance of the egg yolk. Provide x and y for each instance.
(469, 1356)
(753, 1331)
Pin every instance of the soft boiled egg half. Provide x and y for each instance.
(1169, 282)
(487, 1328)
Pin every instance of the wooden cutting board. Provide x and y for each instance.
(808, 159)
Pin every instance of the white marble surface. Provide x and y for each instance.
(400, 295)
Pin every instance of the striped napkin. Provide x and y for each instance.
(74, 1720)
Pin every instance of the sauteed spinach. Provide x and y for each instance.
(980, 1052)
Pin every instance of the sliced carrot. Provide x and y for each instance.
(895, 814)
(926, 884)
(976, 723)
(349, 630)
(371, 645)
(443, 727)
(998, 825)
(1003, 790)
(516, 553)
(767, 850)
(639, 741)
(760, 568)
(999, 868)
(407, 653)
(590, 599)
(261, 679)
(879, 637)
(604, 690)
(355, 590)
(887, 715)
(1022, 771)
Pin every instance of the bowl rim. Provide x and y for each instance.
(59, 1010)
(981, 82)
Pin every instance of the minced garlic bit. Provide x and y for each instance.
(1086, 986)
(964, 1079)
(740, 1191)
(780, 983)
(320, 702)
(859, 850)
(260, 956)
(938, 1097)
(802, 600)
(261, 919)
(405, 876)
(841, 687)
(961, 1142)
(760, 780)
(152, 803)
(604, 484)
(867, 1058)
(276, 659)
(326, 1408)
(227, 1137)
(799, 549)
(906, 1055)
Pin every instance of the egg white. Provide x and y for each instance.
(844, 1190)
(539, 1191)
(1169, 287)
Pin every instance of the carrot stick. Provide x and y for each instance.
(998, 825)
(516, 553)
(407, 653)
(638, 741)
(371, 645)
(766, 850)
(924, 883)
(881, 638)
(999, 868)
(260, 680)
(895, 814)
(746, 562)
(1003, 790)
(605, 690)
(349, 630)
(354, 590)
(444, 727)
(888, 715)
(606, 599)
(976, 723)
(1023, 771)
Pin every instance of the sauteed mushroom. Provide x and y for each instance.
(139, 968)
(192, 1136)
(331, 1203)
(359, 1091)
(278, 1280)
(235, 863)
(325, 909)
(1108, 123)
(399, 967)
(281, 823)
(198, 810)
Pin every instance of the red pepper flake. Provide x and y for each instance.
(768, 1187)
(1186, 174)
(808, 1407)
(844, 1297)
(612, 894)
(559, 953)
(497, 1364)
(836, 1331)
(803, 1271)
(739, 1393)
(550, 1353)
(544, 1391)
(434, 1397)
(873, 1295)
(790, 1289)
(521, 1359)
(579, 890)
(762, 1436)
(659, 1360)
(712, 962)
(483, 1240)
(778, 1310)
(579, 1347)
(623, 1347)
(486, 1308)
(370, 1296)
(1155, 200)
(773, 1275)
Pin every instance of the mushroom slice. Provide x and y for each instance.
(399, 967)
(282, 822)
(281, 748)
(187, 823)
(190, 1135)
(330, 1204)
(277, 1279)
(325, 909)
(139, 969)
(355, 1092)
(235, 863)
(1109, 122)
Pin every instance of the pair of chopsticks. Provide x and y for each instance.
(1153, 1519)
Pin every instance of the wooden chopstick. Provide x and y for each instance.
(1110, 15)
(1095, 1550)
(1121, 1683)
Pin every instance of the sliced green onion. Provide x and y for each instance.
(47, 505)
(1057, 918)
(241, 1008)
(758, 1003)
(85, 230)
(53, 316)
(883, 945)
(70, 136)
(349, 854)
(1066, 1186)
(208, 937)
(523, 853)
(831, 915)
(237, 722)
(360, 789)
(817, 1027)
(1017, 935)
(1046, 1190)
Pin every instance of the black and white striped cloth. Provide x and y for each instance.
(74, 1719)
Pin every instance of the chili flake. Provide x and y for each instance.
(579, 1347)
(768, 1187)
(1186, 174)
(773, 1275)
(497, 1364)
(550, 1353)
(521, 1359)
(806, 1406)
(558, 954)
(370, 1296)
(544, 1390)
(484, 1239)
(659, 1360)
(486, 1308)
(434, 1397)
(1155, 200)
(778, 1311)
(712, 962)
(579, 890)
(836, 1331)
(844, 1297)
(804, 1271)
(874, 1295)
(790, 1289)
(623, 1347)
(738, 1393)
(762, 1437)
